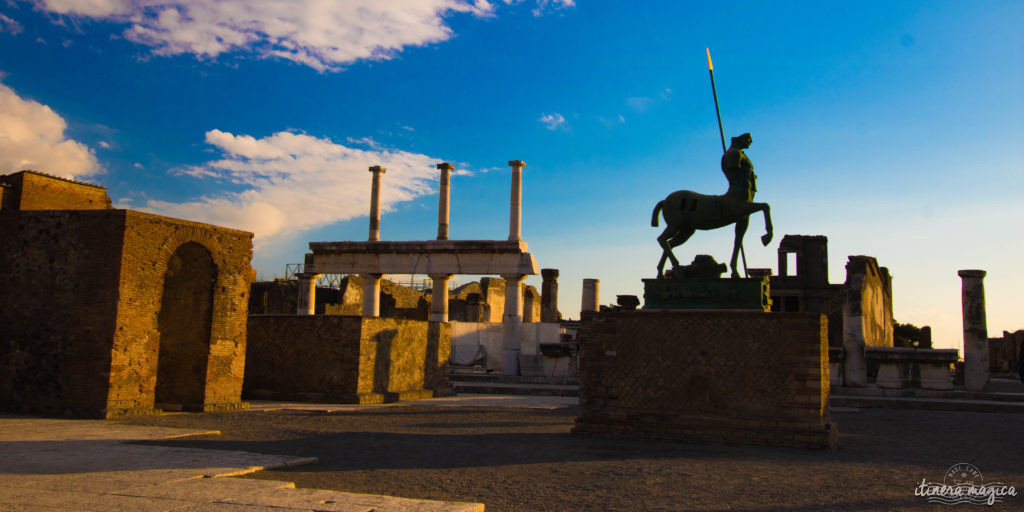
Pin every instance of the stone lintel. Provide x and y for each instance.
(420, 246)
(427, 260)
(943, 355)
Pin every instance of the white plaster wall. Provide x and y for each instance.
(488, 335)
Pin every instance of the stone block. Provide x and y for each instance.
(703, 376)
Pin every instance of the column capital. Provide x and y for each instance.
(377, 169)
(971, 273)
(517, 163)
(513, 277)
(440, 276)
(309, 275)
(548, 273)
(445, 166)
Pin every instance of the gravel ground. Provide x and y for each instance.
(518, 459)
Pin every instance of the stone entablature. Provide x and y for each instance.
(497, 257)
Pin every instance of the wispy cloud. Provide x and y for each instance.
(320, 34)
(639, 103)
(544, 5)
(553, 121)
(32, 137)
(10, 26)
(294, 181)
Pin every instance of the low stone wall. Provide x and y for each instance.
(345, 359)
(706, 376)
(901, 367)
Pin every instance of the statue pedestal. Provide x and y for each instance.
(707, 293)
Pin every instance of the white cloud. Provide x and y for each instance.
(104, 144)
(321, 34)
(294, 181)
(32, 137)
(553, 121)
(9, 25)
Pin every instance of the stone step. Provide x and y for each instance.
(504, 388)
(931, 404)
(512, 379)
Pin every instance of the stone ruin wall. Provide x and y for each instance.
(80, 293)
(700, 376)
(868, 308)
(1004, 353)
(345, 358)
(482, 301)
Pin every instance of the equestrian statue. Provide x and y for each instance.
(686, 211)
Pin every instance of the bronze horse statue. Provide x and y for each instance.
(686, 211)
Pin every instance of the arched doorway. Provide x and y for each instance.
(184, 321)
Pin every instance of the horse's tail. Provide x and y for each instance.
(657, 210)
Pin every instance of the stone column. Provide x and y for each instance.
(307, 294)
(549, 295)
(375, 203)
(591, 295)
(371, 294)
(512, 324)
(976, 371)
(439, 297)
(442, 207)
(515, 217)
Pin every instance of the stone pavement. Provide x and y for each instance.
(92, 465)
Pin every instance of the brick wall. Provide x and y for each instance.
(345, 358)
(706, 376)
(58, 305)
(80, 295)
(149, 242)
(36, 191)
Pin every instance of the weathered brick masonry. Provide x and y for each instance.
(348, 359)
(706, 376)
(88, 296)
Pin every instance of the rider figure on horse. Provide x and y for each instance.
(739, 170)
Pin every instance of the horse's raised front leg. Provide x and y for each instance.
(767, 237)
(741, 229)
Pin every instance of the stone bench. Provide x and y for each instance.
(900, 367)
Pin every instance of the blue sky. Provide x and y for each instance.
(890, 127)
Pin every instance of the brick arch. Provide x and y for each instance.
(186, 234)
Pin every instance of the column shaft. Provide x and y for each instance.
(549, 295)
(591, 295)
(976, 370)
(371, 294)
(439, 298)
(512, 324)
(442, 207)
(516, 201)
(375, 203)
(307, 294)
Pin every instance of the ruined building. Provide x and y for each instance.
(107, 311)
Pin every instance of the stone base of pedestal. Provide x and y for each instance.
(707, 293)
(730, 377)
